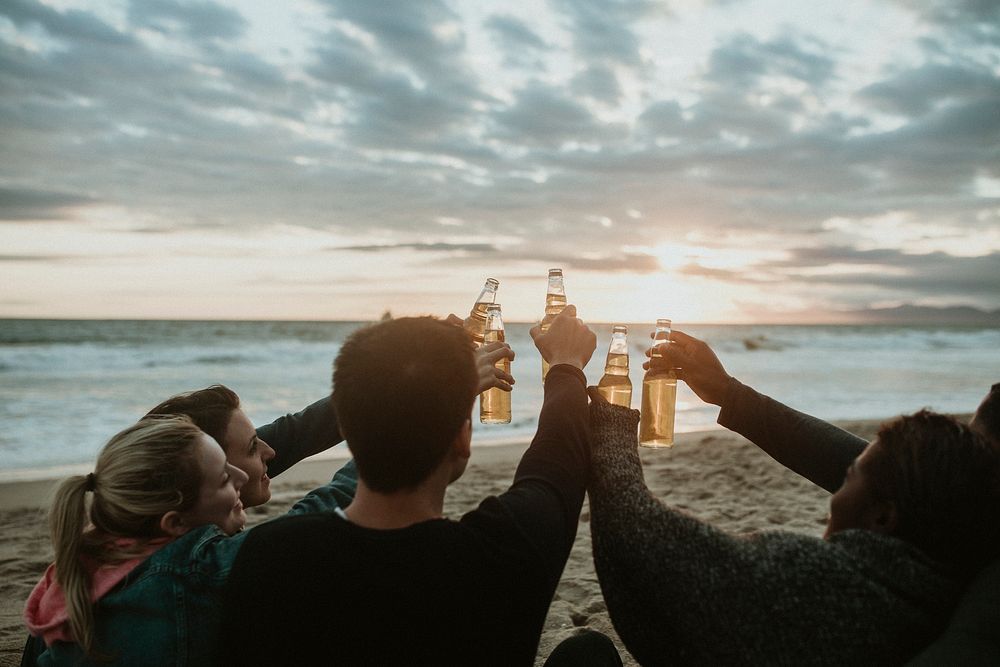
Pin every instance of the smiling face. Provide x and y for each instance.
(857, 503)
(250, 454)
(219, 494)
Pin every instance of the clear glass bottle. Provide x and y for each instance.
(659, 396)
(494, 404)
(475, 323)
(555, 301)
(616, 386)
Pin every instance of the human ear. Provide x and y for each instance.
(883, 517)
(172, 523)
(463, 440)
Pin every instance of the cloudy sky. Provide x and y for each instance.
(710, 160)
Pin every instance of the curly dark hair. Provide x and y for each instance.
(944, 479)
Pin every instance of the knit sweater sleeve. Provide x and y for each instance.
(811, 447)
(678, 590)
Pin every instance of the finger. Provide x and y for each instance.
(595, 396)
(568, 311)
(500, 351)
(502, 386)
(535, 332)
(507, 378)
(683, 338)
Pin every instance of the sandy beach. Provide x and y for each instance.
(715, 475)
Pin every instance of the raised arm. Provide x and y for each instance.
(811, 447)
(545, 498)
(680, 591)
(297, 436)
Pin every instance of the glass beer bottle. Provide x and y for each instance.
(475, 323)
(616, 386)
(494, 404)
(555, 301)
(659, 396)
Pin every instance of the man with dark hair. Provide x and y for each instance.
(389, 580)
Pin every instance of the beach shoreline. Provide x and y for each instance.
(717, 476)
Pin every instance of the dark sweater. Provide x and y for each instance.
(473, 591)
(682, 592)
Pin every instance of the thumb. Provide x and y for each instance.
(596, 396)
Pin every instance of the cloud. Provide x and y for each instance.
(598, 83)
(914, 92)
(601, 30)
(32, 258)
(974, 20)
(72, 24)
(542, 115)
(913, 276)
(480, 248)
(198, 19)
(514, 35)
(744, 60)
(28, 204)
(622, 263)
(423, 37)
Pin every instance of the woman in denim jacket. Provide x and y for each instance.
(137, 577)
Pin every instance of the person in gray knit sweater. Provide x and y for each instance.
(916, 514)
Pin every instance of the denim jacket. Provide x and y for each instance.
(166, 612)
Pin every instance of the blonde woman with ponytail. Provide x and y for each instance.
(144, 545)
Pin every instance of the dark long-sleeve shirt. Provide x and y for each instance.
(815, 449)
(473, 591)
(680, 591)
(296, 436)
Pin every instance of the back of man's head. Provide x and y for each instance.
(944, 479)
(402, 390)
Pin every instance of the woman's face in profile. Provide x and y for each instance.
(219, 495)
(856, 504)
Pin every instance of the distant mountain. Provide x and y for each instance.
(909, 314)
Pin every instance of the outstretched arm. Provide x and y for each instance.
(297, 436)
(811, 447)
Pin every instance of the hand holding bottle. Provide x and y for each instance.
(695, 363)
(491, 376)
(486, 357)
(567, 341)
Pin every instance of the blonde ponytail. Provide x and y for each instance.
(142, 473)
(67, 521)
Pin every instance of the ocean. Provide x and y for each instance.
(66, 386)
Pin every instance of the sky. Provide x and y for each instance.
(703, 160)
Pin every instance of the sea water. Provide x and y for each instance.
(66, 386)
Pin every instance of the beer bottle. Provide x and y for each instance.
(555, 301)
(659, 396)
(616, 386)
(475, 323)
(494, 404)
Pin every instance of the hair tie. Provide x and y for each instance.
(91, 481)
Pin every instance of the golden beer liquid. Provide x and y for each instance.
(659, 399)
(554, 304)
(615, 386)
(494, 404)
(475, 323)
